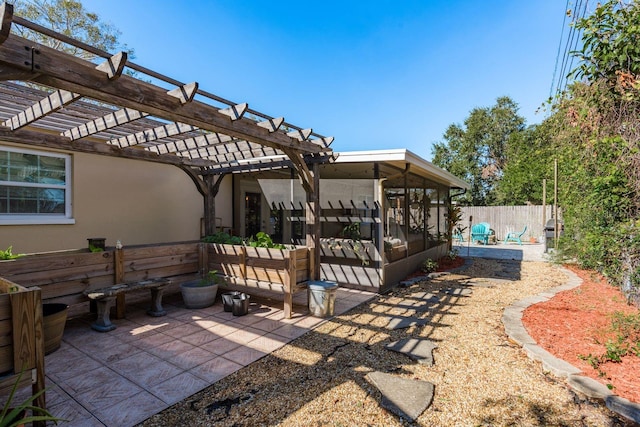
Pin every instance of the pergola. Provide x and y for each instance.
(53, 99)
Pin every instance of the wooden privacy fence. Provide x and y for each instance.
(505, 219)
(65, 276)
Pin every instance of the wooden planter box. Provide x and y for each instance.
(21, 339)
(281, 270)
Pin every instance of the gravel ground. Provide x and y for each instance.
(481, 379)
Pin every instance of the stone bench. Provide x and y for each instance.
(105, 298)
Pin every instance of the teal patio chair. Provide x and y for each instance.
(513, 236)
(481, 232)
(457, 235)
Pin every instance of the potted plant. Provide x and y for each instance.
(201, 293)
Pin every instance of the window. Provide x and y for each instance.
(35, 187)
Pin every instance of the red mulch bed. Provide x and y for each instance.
(572, 323)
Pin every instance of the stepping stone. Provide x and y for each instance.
(405, 398)
(405, 322)
(413, 281)
(438, 274)
(459, 292)
(419, 307)
(417, 349)
(422, 295)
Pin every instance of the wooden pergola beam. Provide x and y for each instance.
(41, 139)
(112, 67)
(208, 140)
(63, 71)
(151, 135)
(108, 121)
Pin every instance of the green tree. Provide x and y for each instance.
(597, 132)
(476, 152)
(610, 42)
(70, 18)
(530, 155)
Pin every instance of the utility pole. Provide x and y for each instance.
(544, 203)
(555, 204)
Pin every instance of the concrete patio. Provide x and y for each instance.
(122, 377)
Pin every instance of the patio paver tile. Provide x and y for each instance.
(183, 330)
(220, 346)
(145, 369)
(69, 363)
(268, 343)
(267, 325)
(176, 388)
(125, 414)
(171, 349)
(74, 414)
(290, 331)
(151, 341)
(100, 389)
(215, 369)
(200, 338)
(245, 355)
(191, 358)
(244, 334)
(117, 351)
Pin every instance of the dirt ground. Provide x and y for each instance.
(480, 377)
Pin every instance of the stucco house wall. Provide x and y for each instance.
(135, 202)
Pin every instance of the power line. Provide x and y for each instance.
(581, 11)
(578, 12)
(555, 68)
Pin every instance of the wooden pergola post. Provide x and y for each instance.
(213, 186)
(313, 222)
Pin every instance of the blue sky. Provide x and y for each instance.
(373, 74)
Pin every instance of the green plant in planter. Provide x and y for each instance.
(352, 233)
(8, 254)
(94, 249)
(263, 240)
(13, 415)
(223, 238)
(211, 278)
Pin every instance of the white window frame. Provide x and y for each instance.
(42, 219)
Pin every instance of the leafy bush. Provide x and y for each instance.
(263, 240)
(429, 265)
(223, 238)
(260, 240)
